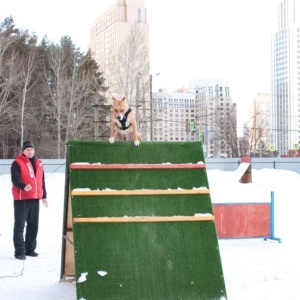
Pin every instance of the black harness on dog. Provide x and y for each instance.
(123, 121)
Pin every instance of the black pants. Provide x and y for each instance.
(26, 212)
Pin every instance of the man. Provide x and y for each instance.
(28, 179)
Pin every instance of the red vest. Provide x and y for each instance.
(28, 177)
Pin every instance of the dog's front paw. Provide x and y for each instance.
(136, 143)
(111, 140)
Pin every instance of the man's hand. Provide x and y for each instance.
(27, 188)
(45, 202)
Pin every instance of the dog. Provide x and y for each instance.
(123, 126)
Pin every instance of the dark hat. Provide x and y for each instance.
(27, 144)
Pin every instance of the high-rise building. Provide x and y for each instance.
(215, 116)
(285, 89)
(119, 43)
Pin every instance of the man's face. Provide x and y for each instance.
(29, 152)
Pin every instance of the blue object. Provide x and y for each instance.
(272, 217)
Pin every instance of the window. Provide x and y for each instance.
(139, 15)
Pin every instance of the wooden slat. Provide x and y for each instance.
(69, 255)
(69, 210)
(206, 217)
(137, 192)
(75, 166)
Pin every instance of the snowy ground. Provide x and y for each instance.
(254, 269)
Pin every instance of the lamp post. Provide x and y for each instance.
(103, 109)
(138, 101)
(96, 118)
(142, 118)
(151, 107)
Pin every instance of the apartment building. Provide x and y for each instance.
(215, 116)
(203, 112)
(118, 34)
(173, 116)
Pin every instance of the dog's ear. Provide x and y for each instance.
(114, 99)
(124, 98)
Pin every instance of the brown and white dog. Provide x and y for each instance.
(123, 126)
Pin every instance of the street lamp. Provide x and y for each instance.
(137, 101)
(105, 108)
(151, 117)
(96, 105)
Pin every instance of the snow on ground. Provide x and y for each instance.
(254, 269)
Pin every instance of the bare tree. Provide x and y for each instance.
(258, 131)
(47, 93)
(55, 68)
(230, 132)
(243, 142)
(130, 63)
(26, 73)
(130, 75)
(72, 82)
(225, 138)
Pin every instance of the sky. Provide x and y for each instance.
(252, 268)
(229, 40)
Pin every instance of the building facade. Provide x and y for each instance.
(173, 116)
(119, 43)
(285, 89)
(204, 112)
(215, 116)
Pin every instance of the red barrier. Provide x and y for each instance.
(242, 220)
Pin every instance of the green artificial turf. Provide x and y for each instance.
(146, 260)
(126, 152)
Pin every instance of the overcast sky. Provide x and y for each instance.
(190, 39)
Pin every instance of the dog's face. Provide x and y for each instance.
(119, 108)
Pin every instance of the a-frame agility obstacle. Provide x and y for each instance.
(139, 222)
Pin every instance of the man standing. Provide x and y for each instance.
(28, 179)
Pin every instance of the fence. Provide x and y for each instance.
(231, 164)
(223, 164)
(50, 165)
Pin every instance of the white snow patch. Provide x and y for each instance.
(202, 214)
(82, 277)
